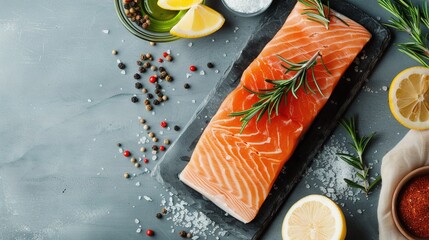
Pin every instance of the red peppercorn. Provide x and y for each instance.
(162, 148)
(160, 60)
(146, 160)
(165, 54)
(150, 232)
(127, 153)
(153, 79)
(193, 68)
(164, 124)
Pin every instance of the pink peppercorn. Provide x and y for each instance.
(164, 124)
(127, 153)
(146, 160)
(150, 232)
(162, 148)
(193, 68)
(153, 79)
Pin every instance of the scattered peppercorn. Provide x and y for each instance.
(143, 57)
(121, 65)
(151, 134)
(161, 69)
(164, 211)
(164, 124)
(187, 86)
(153, 79)
(176, 128)
(139, 63)
(142, 149)
(137, 165)
(134, 99)
(119, 144)
(155, 148)
(137, 76)
(168, 78)
(146, 160)
(144, 90)
(164, 54)
(152, 43)
(162, 148)
(155, 139)
(126, 175)
(149, 95)
(160, 60)
(146, 65)
(146, 102)
(193, 68)
(210, 65)
(157, 86)
(146, 127)
(159, 98)
(182, 233)
(157, 91)
(127, 153)
(153, 68)
(159, 215)
(169, 58)
(148, 55)
(114, 52)
(166, 141)
(133, 160)
(138, 85)
(156, 102)
(164, 98)
(149, 107)
(142, 70)
(150, 232)
(189, 235)
(142, 120)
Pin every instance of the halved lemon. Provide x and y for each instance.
(314, 217)
(178, 4)
(409, 98)
(199, 21)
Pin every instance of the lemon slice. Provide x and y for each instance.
(199, 21)
(409, 98)
(178, 4)
(314, 217)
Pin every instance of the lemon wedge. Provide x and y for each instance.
(314, 217)
(199, 21)
(409, 98)
(178, 4)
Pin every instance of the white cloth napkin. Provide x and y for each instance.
(410, 153)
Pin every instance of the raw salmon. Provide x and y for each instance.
(237, 170)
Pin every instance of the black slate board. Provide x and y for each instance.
(179, 154)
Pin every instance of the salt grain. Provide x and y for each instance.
(106, 31)
(147, 198)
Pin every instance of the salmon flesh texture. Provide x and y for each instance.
(237, 170)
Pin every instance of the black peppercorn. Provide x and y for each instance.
(160, 95)
(161, 69)
(155, 102)
(187, 86)
(157, 91)
(210, 65)
(137, 76)
(134, 99)
(138, 85)
(176, 128)
(159, 215)
(121, 66)
(155, 148)
(119, 144)
(139, 63)
(150, 95)
(142, 69)
(182, 234)
(157, 86)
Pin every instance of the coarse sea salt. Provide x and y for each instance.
(247, 6)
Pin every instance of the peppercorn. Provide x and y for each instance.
(167, 141)
(150, 232)
(168, 78)
(155, 102)
(193, 68)
(142, 120)
(114, 52)
(121, 65)
(126, 175)
(142, 70)
(146, 102)
(119, 144)
(144, 90)
(164, 98)
(142, 149)
(189, 235)
(157, 86)
(153, 68)
(149, 95)
(164, 211)
(149, 107)
(161, 69)
(169, 58)
(210, 65)
(164, 54)
(127, 153)
(143, 57)
(160, 96)
(153, 79)
(155, 139)
(152, 43)
(155, 148)
(127, 5)
(134, 99)
(146, 64)
(148, 55)
(182, 233)
(146, 160)
(164, 124)
(133, 160)
(157, 91)
(162, 148)
(151, 59)
(137, 165)
(159, 215)
(176, 128)
(146, 17)
(146, 127)
(187, 86)
(139, 63)
(138, 85)
(160, 60)
(145, 25)
(151, 134)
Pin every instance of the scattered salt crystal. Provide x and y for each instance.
(188, 75)
(138, 184)
(202, 73)
(236, 29)
(154, 158)
(147, 198)
(224, 55)
(173, 89)
(190, 44)
(118, 60)
(100, 85)
(226, 41)
(138, 230)
(213, 40)
(106, 31)
(384, 88)
(140, 197)
(168, 51)
(217, 71)
(89, 100)
(193, 101)
(123, 72)
(136, 221)
(307, 186)
(359, 211)
(178, 102)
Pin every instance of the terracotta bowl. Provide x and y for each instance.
(396, 219)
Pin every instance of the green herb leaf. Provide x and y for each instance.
(374, 183)
(317, 12)
(353, 184)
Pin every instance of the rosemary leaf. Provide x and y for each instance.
(353, 184)
(374, 183)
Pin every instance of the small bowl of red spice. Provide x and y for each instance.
(410, 204)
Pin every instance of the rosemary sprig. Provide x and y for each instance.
(270, 99)
(316, 12)
(410, 18)
(359, 144)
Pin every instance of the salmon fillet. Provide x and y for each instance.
(237, 170)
